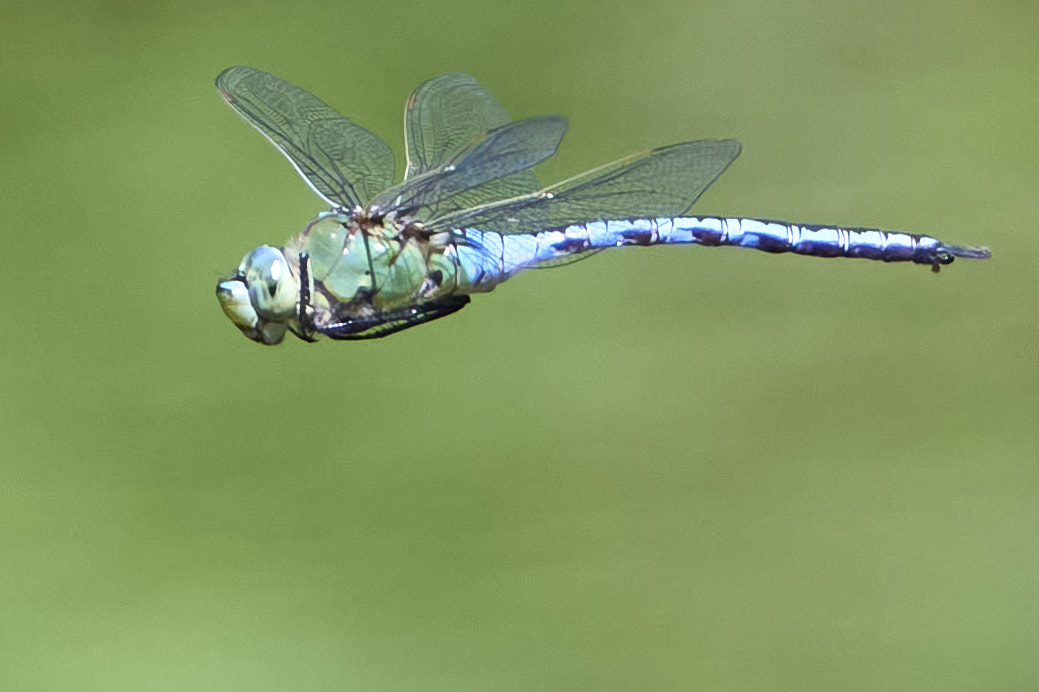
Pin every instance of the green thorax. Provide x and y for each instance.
(375, 263)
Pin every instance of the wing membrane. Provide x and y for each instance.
(443, 118)
(657, 183)
(463, 182)
(341, 161)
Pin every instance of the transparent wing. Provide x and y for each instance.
(657, 183)
(447, 115)
(341, 161)
(463, 181)
(443, 116)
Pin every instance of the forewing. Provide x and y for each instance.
(443, 117)
(493, 157)
(662, 182)
(341, 161)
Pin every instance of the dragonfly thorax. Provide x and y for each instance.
(377, 261)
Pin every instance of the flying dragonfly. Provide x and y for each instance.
(470, 213)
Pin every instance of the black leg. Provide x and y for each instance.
(393, 321)
(302, 316)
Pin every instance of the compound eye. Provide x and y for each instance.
(272, 288)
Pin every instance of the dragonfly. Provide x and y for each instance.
(470, 213)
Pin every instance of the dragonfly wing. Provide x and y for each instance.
(463, 182)
(442, 116)
(569, 259)
(447, 115)
(344, 163)
(662, 182)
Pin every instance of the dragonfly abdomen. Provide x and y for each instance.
(769, 236)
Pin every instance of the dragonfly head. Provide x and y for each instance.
(262, 296)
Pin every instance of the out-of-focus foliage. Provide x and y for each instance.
(671, 468)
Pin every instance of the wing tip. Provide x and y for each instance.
(226, 79)
(225, 76)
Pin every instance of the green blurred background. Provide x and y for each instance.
(662, 469)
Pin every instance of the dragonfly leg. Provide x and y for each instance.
(302, 313)
(393, 321)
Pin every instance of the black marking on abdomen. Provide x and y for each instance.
(769, 243)
(569, 244)
(638, 236)
(709, 237)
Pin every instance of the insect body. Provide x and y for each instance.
(470, 213)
